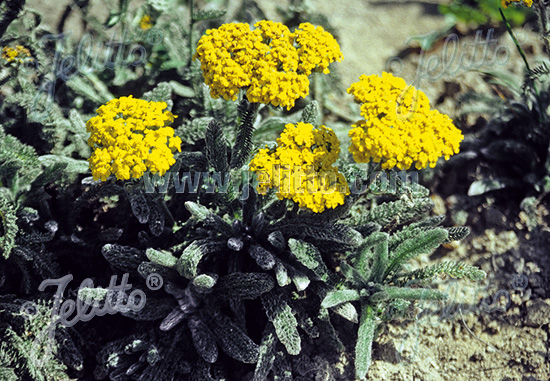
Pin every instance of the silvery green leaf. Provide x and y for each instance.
(161, 257)
(197, 210)
(281, 274)
(207, 14)
(334, 298)
(182, 90)
(347, 311)
(280, 314)
(365, 337)
(204, 283)
(309, 256)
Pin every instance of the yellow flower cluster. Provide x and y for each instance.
(146, 22)
(271, 63)
(505, 3)
(19, 53)
(301, 167)
(399, 128)
(130, 136)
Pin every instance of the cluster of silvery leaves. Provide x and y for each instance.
(251, 286)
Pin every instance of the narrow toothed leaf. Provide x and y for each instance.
(173, 319)
(125, 258)
(197, 210)
(457, 233)
(365, 253)
(263, 257)
(139, 205)
(284, 321)
(347, 311)
(203, 339)
(190, 258)
(381, 258)
(309, 256)
(414, 293)
(300, 280)
(267, 354)
(424, 243)
(244, 285)
(216, 147)
(277, 239)
(234, 341)
(365, 337)
(335, 298)
(352, 275)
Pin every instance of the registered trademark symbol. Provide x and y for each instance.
(154, 281)
(155, 36)
(519, 282)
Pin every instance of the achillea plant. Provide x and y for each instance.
(399, 128)
(251, 280)
(130, 136)
(270, 63)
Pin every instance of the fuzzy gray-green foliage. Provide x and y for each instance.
(31, 354)
(373, 273)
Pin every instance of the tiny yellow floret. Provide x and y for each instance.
(301, 168)
(130, 136)
(146, 22)
(399, 128)
(270, 63)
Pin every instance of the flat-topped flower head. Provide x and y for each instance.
(130, 136)
(301, 168)
(399, 127)
(506, 3)
(270, 63)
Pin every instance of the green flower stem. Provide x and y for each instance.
(511, 33)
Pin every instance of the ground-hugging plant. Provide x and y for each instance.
(375, 274)
(258, 281)
(275, 274)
